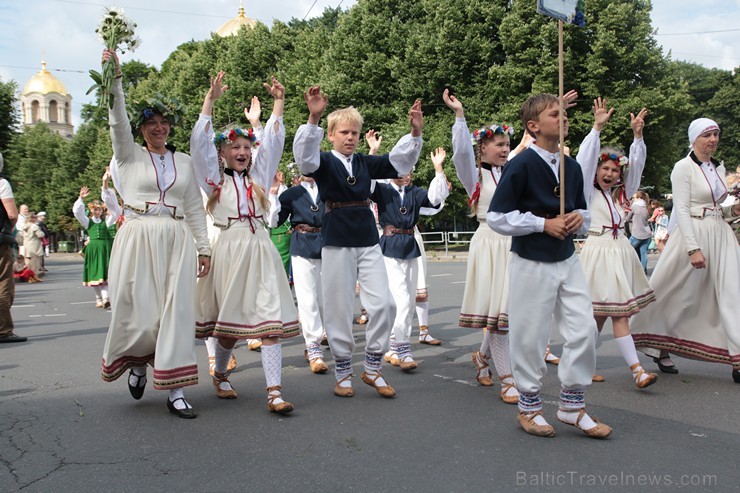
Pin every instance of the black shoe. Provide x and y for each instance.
(664, 368)
(736, 376)
(138, 390)
(187, 413)
(13, 338)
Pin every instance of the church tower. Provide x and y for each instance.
(231, 28)
(44, 99)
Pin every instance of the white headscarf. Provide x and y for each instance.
(700, 126)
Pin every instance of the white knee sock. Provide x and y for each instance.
(211, 346)
(272, 364)
(177, 394)
(104, 292)
(223, 355)
(500, 353)
(485, 345)
(422, 312)
(98, 292)
(627, 347)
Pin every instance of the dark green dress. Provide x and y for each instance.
(280, 236)
(97, 254)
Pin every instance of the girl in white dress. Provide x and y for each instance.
(246, 294)
(486, 282)
(618, 285)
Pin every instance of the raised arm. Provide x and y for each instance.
(438, 190)
(307, 141)
(463, 154)
(120, 128)
(78, 209)
(588, 152)
(270, 151)
(405, 154)
(203, 152)
(110, 200)
(638, 154)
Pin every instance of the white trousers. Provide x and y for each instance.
(402, 278)
(307, 286)
(537, 291)
(341, 268)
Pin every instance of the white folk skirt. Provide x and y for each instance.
(422, 293)
(246, 294)
(697, 312)
(152, 290)
(487, 281)
(618, 285)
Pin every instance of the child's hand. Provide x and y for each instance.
(276, 183)
(638, 122)
(601, 114)
(373, 140)
(218, 88)
(84, 192)
(276, 89)
(106, 177)
(573, 221)
(438, 157)
(453, 103)
(556, 227)
(204, 265)
(569, 99)
(316, 102)
(416, 118)
(254, 112)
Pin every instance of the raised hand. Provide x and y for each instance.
(276, 89)
(316, 102)
(254, 112)
(638, 122)
(416, 118)
(569, 99)
(453, 103)
(438, 158)
(84, 192)
(601, 114)
(373, 141)
(108, 54)
(218, 88)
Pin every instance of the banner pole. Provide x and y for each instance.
(562, 117)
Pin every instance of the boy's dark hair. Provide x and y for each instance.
(533, 106)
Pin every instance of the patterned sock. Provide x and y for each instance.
(372, 366)
(272, 364)
(393, 350)
(422, 312)
(177, 394)
(485, 345)
(314, 351)
(404, 350)
(343, 369)
(572, 400)
(530, 403)
(500, 353)
(223, 355)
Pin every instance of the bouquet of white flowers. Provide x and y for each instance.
(116, 31)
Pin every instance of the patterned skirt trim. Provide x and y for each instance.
(687, 349)
(471, 321)
(626, 309)
(268, 328)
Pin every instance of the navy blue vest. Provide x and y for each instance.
(528, 185)
(296, 202)
(350, 226)
(401, 246)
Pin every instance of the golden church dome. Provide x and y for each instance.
(231, 28)
(44, 83)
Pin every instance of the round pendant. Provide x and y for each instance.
(351, 180)
(556, 191)
(403, 211)
(314, 207)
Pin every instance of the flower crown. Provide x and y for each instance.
(231, 135)
(140, 111)
(96, 203)
(623, 161)
(489, 132)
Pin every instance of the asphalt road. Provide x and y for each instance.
(63, 429)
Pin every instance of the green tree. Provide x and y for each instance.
(9, 117)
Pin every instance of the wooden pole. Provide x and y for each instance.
(562, 117)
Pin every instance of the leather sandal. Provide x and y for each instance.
(340, 391)
(407, 363)
(218, 379)
(137, 390)
(254, 345)
(505, 387)
(526, 421)
(392, 358)
(599, 431)
(362, 319)
(597, 378)
(484, 374)
(665, 368)
(229, 368)
(384, 391)
(426, 338)
(318, 366)
(187, 413)
(550, 358)
(106, 303)
(281, 407)
(650, 378)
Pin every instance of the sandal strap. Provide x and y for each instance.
(187, 406)
(479, 362)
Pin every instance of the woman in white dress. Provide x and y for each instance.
(246, 295)
(618, 285)
(154, 260)
(696, 280)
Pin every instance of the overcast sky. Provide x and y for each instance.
(64, 30)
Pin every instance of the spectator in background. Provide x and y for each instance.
(32, 244)
(640, 229)
(659, 220)
(8, 218)
(41, 223)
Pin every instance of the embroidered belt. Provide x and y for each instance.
(606, 229)
(392, 230)
(328, 205)
(546, 215)
(305, 228)
(709, 211)
(145, 212)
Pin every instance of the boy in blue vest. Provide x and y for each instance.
(545, 275)
(399, 207)
(350, 250)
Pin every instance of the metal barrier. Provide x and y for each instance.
(458, 237)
